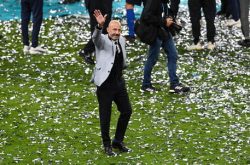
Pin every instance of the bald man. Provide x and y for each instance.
(107, 76)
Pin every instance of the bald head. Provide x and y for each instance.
(114, 22)
(114, 29)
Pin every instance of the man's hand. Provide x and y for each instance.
(169, 21)
(100, 18)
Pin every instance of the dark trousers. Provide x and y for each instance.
(34, 7)
(105, 98)
(244, 8)
(209, 10)
(234, 7)
(90, 47)
(224, 6)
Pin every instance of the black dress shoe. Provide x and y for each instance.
(108, 151)
(87, 57)
(120, 147)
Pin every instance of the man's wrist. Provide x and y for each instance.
(99, 26)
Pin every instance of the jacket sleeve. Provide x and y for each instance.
(174, 7)
(148, 14)
(97, 37)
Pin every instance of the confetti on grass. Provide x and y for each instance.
(49, 111)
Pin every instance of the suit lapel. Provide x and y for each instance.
(122, 43)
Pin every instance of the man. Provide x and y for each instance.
(152, 15)
(107, 76)
(209, 9)
(105, 6)
(35, 8)
(131, 17)
(244, 8)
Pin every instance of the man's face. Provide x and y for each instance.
(114, 30)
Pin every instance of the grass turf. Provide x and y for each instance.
(49, 111)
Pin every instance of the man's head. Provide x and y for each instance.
(114, 29)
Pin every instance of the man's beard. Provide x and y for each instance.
(115, 37)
